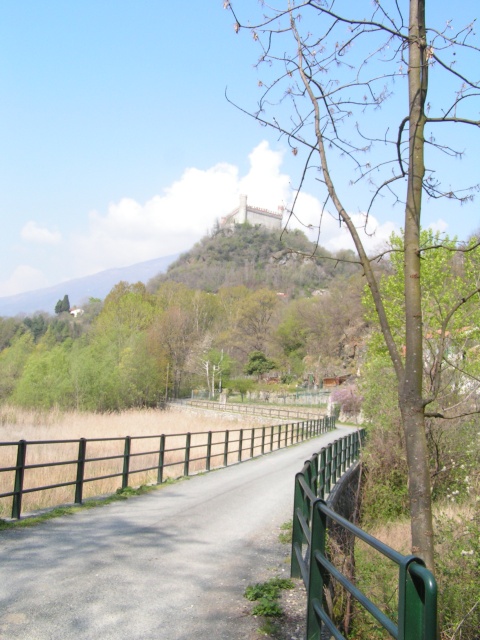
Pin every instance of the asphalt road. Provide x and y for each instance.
(169, 565)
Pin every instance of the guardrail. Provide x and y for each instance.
(248, 409)
(159, 455)
(417, 589)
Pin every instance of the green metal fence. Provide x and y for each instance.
(77, 462)
(417, 590)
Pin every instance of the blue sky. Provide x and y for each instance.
(118, 145)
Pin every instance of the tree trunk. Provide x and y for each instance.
(411, 401)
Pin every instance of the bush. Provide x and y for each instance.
(458, 576)
(267, 594)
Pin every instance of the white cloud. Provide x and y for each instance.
(172, 222)
(333, 236)
(265, 186)
(31, 232)
(439, 225)
(23, 278)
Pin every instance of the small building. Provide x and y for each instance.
(245, 213)
(334, 381)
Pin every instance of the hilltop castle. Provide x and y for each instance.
(253, 215)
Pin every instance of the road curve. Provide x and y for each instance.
(169, 565)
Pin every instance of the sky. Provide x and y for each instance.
(118, 145)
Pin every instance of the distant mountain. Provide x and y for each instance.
(97, 285)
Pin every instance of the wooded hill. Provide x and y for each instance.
(257, 257)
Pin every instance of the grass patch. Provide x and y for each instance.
(285, 535)
(267, 595)
(57, 512)
(267, 628)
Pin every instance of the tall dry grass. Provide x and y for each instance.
(67, 427)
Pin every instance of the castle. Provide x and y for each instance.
(253, 215)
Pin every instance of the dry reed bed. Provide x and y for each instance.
(144, 427)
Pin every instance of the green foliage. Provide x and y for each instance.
(258, 364)
(241, 385)
(141, 344)
(451, 314)
(45, 381)
(63, 306)
(267, 594)
(377, 577)
(267, 608)
(37, 325)
(454, 451)
(458, 575)
(255, 257)
(385, 489)
(9, 327)
(12, 362)
(285, 536)
(450, 346)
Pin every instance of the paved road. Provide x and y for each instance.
(169, 565)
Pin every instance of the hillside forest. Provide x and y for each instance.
(236, 293)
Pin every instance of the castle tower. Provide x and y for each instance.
(242, 209)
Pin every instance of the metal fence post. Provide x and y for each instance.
(161, 459)
(313, 474)
(126, 462)
(328, 470)
(225, 452)
(186, 464)
(343, 456)
(333, 473)
(82, 450)
(417, 601)
(19, 476)
(300, 508)
(321, 474)
(317, 575)
(252, 443)
(209, 451)
(240, 445)
(263, 440)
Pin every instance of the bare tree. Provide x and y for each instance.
(326, 64)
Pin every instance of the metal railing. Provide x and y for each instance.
(417, 589)
(249, 409)
(175, 455)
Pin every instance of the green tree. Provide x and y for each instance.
(12, 362)
(255, 321)
(241, 385)
(258, 364)
(45, 380)
(37, 324)
(451, 321)
(344, 61)
(63, 305)
(9, 327)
